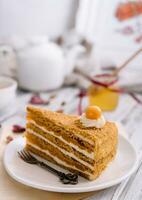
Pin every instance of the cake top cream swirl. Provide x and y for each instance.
(93, 117)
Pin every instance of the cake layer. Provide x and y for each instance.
(60, 122)
(100, 141)
(60, 141)
(68, 136)
(62, 154)
(66, 148)
(100, 149)
(98, 167)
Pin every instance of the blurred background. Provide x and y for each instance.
(48, 44)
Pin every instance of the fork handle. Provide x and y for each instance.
(56, 172)
(64, 178)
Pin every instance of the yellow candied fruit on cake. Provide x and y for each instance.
(93, 112)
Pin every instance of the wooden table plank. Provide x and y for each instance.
(128, 112)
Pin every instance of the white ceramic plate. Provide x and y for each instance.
(123, 166)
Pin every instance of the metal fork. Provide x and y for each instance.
(68, 178)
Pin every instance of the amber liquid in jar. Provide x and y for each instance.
(106, 99)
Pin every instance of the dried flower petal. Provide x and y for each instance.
(9, 139)
(127, 10)
(37, 100)
(18, 129)
(128, 30)
(52, 96)
(63, 103)
(81, 94)
(60, 111)
(138, 39)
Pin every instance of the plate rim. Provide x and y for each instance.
(69, 189)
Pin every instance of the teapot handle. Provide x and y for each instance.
(8, 61)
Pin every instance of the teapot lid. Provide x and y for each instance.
(37, 40)
(19, 42)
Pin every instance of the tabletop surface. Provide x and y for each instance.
(128, 113)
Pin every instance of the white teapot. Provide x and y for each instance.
(43, 65)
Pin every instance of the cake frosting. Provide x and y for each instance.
(93, 117)
(97, 123)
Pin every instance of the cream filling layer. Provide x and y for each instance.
(60, 149)
(79, 136)
(89, 155)
(59, 161)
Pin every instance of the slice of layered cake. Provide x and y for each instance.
(84, 145)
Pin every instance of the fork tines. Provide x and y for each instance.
(26, 156)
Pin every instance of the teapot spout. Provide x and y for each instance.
(72, 56)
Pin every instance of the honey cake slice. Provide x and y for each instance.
(64, 140)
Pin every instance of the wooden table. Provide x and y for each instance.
(128, 112)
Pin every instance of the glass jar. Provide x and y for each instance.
(102, 93)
